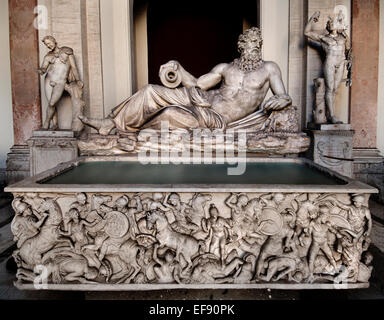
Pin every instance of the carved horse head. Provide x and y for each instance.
(157, 218)
(200, 199)
(55, 215)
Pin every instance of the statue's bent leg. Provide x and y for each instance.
(339, 72)
(146, 108)
(328, 252)
(57, 92)
(332, 81)
(329, 76)
(174, 118)
(313, 251)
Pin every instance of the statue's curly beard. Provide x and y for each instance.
(248, 62)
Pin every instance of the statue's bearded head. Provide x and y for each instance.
(249, 45)
(336, 23)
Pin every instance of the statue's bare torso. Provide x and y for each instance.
(334, 48)
(58, 69)
(241, 93)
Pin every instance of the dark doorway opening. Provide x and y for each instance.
(199, 34)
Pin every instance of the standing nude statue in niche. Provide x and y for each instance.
(61, 73)
(338, 50)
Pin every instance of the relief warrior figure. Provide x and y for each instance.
(319, 229)
(179, 210)
(238, 103)
(198, 203)
(27, 222)
(218, 230)
(338, 50)
(32, 251)
(359, 216)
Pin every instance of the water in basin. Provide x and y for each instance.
(126, 172)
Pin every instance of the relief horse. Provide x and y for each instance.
(182, 244)
(197, 203)
(31, 252)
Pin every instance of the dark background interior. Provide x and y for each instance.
(199, 34)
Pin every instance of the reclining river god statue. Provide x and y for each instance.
(238, 103)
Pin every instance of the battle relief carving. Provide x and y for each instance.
(201, 238)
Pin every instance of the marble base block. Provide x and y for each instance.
(17, 164)
(50, 148)
(368, 167)
(329, 126)
(332, 149)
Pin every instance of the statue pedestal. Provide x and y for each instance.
(369, 168)
(17, 164)
(332, 148)
(329, 126)
(260, 143)
(49, 148)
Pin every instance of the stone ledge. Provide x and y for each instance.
(153, 287)
(54, 134)
(329, 126)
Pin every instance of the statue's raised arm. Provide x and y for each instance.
(172, 74)
(313, 35)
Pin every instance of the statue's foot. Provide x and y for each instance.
(103, 126)
(83, 118)
(106, 127)
(333, 120)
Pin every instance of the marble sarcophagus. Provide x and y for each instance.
(112, 223)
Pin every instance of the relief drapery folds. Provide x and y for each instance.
(192, 238)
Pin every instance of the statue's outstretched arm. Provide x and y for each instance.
(212, 78)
